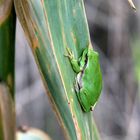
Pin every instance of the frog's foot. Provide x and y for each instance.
(70, 54)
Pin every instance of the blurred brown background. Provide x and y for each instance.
(115, 30)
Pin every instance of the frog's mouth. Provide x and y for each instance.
(80, 75)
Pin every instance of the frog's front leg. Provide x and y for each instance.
(73, 61)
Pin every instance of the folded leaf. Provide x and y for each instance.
(50, 27)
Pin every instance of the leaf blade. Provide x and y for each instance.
(51, 26)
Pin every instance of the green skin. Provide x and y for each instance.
(89, 77)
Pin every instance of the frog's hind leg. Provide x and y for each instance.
(83, 101)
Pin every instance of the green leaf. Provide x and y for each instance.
(7, 43)
(50, 27)
(7, 52)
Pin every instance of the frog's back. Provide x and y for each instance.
(93, 78)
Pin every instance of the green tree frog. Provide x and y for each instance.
(89, 77)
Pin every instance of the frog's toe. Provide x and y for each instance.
(69, 51)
